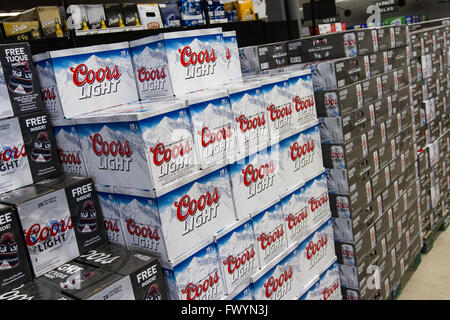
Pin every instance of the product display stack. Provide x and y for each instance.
(48, 219)
(367, 134)
(429, 48)
(365, 109)
(225, 185)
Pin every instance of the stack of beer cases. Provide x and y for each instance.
(48, 219)
(223, 209)
(225, 185)
(363, 102)
(429, 48)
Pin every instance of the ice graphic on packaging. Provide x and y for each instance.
(93, 78)
(237, 251)
(195, 59)
(300, 157)
(306, 208)
(69, 148)
(196, 211)
(279, 105)
(283, 281)
(111, 214)
(232, 56)
(198, 276)
(151, 69)
(256, 181)
(146, 147)
(48, 230)
(250, 116)
(328, 286)
(213, 127)
(140, 219)
(49, 88)
(270, 233)
(301, 93)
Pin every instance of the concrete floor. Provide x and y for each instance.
(432, 279)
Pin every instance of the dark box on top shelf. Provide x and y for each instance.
(323, 47)
(272, 56)
(19, 86)
(367, 41)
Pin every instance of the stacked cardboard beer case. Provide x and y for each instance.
(364, 104)
(429, 47)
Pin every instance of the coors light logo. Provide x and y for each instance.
(112, 155)
(258, 179)
(316, 250)
(277, 286)
(215, 141)
(297, 222)
(304, 107)
(205, 289)
(281, 116)
(94, 83)
(240, 266)
(45, 237)
(330, 292)
(302, 154)
(253, 126)
(143, 236)
(10, 157)
(70, 160)
(202, 210)
(153, 79)
(272, 241)
(318, 206)
(171, 158)
(197, 64)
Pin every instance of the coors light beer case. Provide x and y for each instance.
(91, 78)
(60, 219)
(28, 151)
(19, 86)
(197, 59)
